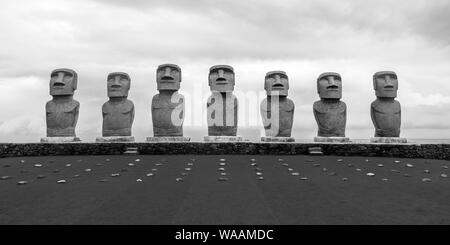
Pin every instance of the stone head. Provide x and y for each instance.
(221, 78)
(329, 85)
(118, 84)
(168, 77)
(63, 82)
(385, 84)
(276, 83)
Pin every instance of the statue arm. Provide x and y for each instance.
(48, 107)
(264, 113)
(265, 119)
(132, 113)
(316, 113)
(345, 113)
(372, 115)
(76, 112)
(182, 110)
(316, 117)
(210, 113)
(177, 116)
(236, 114)
(104, 110)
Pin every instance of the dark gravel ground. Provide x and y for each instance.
(281, 197)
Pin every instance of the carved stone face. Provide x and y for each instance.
(168, 77)
(385, 84)
(329, 85)
(276, 83)
(63, 82)
(221, 78)
(118, 84)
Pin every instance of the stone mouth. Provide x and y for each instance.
(221, 80)
(332, 87)
(388, 87)
(116, 86)
(278, 86)
(58, 84)
(167, 78)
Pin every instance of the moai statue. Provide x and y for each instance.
(168, 106)
(118, 112)
(330, 112)
(62, 110)
(222, 106)
(385, 110)
(277, 111)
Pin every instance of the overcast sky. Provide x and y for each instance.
(304, 38)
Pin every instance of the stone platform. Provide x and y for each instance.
(388, 140)
(408, 150)
(115, 139)
(223, 139)
(60, 139)
(277, 139)
(168, 139)
(331, 139)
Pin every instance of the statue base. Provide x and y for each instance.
(331, 139)
(222, 139)
(60, 139)
(277, 139)
(114, 139)
(388, 140)
(168, 139)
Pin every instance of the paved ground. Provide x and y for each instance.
(281, 197)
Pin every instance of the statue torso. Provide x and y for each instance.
(117, 118)
(386, 117)
(61, 118)
(331, 118)
(168, 115)
(285, 108)
(222, 115)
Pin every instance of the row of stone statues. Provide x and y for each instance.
(277, 111)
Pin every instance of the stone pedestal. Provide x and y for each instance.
(114, 139)
(388, 140)
(277, 139)
(224, 139)
(331, 139)
(60, 139)
(168, 139)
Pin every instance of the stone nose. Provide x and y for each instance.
(167, 72)
(331, 80)
(220, 72)
(117, 80)
(167, 75)
(60, 78)
(277, 79)
(388, 80)
(277, 83)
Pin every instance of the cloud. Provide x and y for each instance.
(387, 17)
(303, 38)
